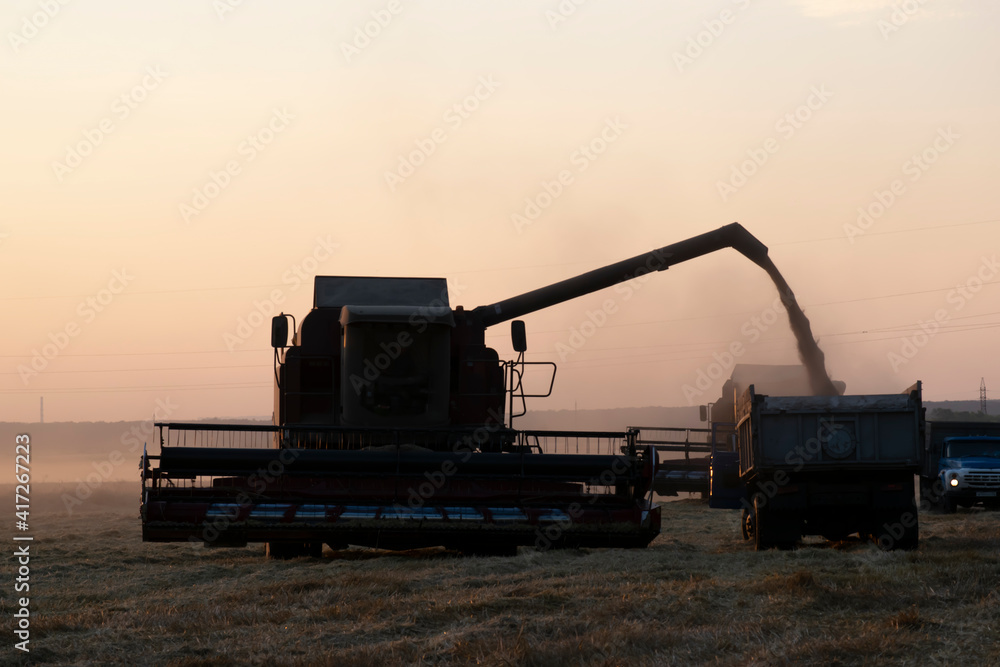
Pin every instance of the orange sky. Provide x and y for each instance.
(170, 169)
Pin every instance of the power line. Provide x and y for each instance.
(597, 363)
(131, 293)
(486, 270)
(230, 288)
(587, 364)
(134, 370)
(734, 314)
(140, 354)
(88, 390)
(892, 231)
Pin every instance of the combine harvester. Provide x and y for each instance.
(393, 428)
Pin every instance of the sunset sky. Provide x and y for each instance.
(171, 169)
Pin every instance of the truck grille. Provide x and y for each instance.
(983, 480)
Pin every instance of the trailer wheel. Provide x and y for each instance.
(747, 524)
(910, 539)
(775, 528)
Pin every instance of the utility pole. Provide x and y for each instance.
(982, 396)
(41, 409)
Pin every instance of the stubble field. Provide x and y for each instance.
(698, 595)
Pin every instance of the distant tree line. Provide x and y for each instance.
(945, 415)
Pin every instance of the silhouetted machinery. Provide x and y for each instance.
(393, 428)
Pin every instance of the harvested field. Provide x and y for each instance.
(698, 595)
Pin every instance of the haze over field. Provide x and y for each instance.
(174, 173)
(71, 452)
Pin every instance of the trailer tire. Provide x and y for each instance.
(748, 524)
(779, 529)
(910, 539)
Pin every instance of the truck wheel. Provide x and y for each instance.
(747, 524)
(910, 539)
(891, 533)
(947, 505)
(789, 530)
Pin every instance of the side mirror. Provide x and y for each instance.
(703, 413)
(517, 336)
(279, 331)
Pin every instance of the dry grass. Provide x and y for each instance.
(698, 595)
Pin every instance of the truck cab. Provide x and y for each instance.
(969, 471)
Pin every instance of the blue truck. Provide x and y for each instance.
(961, 465)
